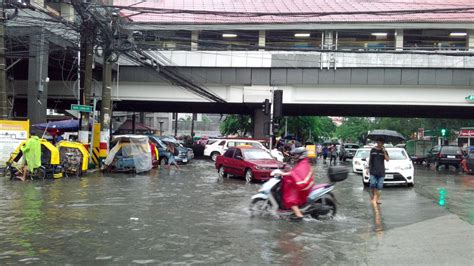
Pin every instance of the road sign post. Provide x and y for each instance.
(81, 108)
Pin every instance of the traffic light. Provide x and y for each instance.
(443, 132)
(266, 107)
(275, 127)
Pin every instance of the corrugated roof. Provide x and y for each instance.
(293, 11)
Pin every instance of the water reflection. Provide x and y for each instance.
(378, 221)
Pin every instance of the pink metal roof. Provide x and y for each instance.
(292, 10)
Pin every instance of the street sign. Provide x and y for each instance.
(470, 98)
(81, 108)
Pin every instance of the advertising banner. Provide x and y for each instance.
(12, 134)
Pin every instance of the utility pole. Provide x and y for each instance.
(106, 106)
(87, 85)
(3, 83)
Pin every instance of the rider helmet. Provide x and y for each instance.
(299, 153)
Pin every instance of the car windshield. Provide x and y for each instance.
(397, 154)
(254, 154)
(362, 154)
(451, 150)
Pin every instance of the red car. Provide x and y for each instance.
(247, 161)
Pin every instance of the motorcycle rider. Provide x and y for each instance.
(297, 183)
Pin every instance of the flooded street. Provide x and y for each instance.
(188, 216)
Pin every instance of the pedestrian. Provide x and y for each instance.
(173, 151)
(325, 153)
(378, 156)
(333, 154)
(32, 154)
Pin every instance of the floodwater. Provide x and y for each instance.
(188, 216)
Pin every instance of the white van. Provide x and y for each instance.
(219, 147)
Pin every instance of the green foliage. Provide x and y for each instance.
(305, 126)
(236, 124)
(354, 129)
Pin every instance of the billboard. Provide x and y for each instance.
(12, 134)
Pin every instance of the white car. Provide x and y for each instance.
(398, 170)
(219, 147)
(359, 160)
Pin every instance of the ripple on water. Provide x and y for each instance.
(144, 261)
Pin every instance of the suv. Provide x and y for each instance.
(445, 155)
(221, 146)
(348, 150)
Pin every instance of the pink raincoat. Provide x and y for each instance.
(297, 186)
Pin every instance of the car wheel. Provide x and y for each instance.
(214, 156)
(163, 161)
(365, 184)
(248, 176)
(437, 165)
(410, 184)
(329, 202)
(259, 206)
(222, 172)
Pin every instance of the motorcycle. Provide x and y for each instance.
(320, 201)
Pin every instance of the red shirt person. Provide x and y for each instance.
(297, 184)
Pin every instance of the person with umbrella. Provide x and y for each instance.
(377, 158)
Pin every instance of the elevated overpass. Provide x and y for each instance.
(314, 83)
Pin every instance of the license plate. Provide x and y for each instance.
(185, 160)
(388, 176)
(451, 156)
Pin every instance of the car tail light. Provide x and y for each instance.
(440, 155)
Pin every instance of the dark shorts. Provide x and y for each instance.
(376, 182)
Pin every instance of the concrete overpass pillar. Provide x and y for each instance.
(194, 40)
(399, 39)
(37, 79)
(260, 124)
(470, 40)
(261, 39)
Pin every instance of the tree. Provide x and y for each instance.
(236, 124)
(354, 129)
(305, 126)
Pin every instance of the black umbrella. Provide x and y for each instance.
(387, 135)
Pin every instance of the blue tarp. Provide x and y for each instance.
(63, 125)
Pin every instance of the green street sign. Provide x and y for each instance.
(470, 98)
(81, 108)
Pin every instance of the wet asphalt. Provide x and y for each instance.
(189, 216)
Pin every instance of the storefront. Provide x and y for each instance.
(466, 136)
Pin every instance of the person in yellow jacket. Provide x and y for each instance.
(32, 153)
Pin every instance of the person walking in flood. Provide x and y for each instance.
(173, 151)
(32, 153)
(377, 158)
(333, 154)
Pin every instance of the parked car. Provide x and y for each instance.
(398, 170)
(250, 162)
(347, 151)
(220, 147)
(359, 160)
(162, 142)
(445, 155)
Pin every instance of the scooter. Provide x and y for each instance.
(320, 201)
